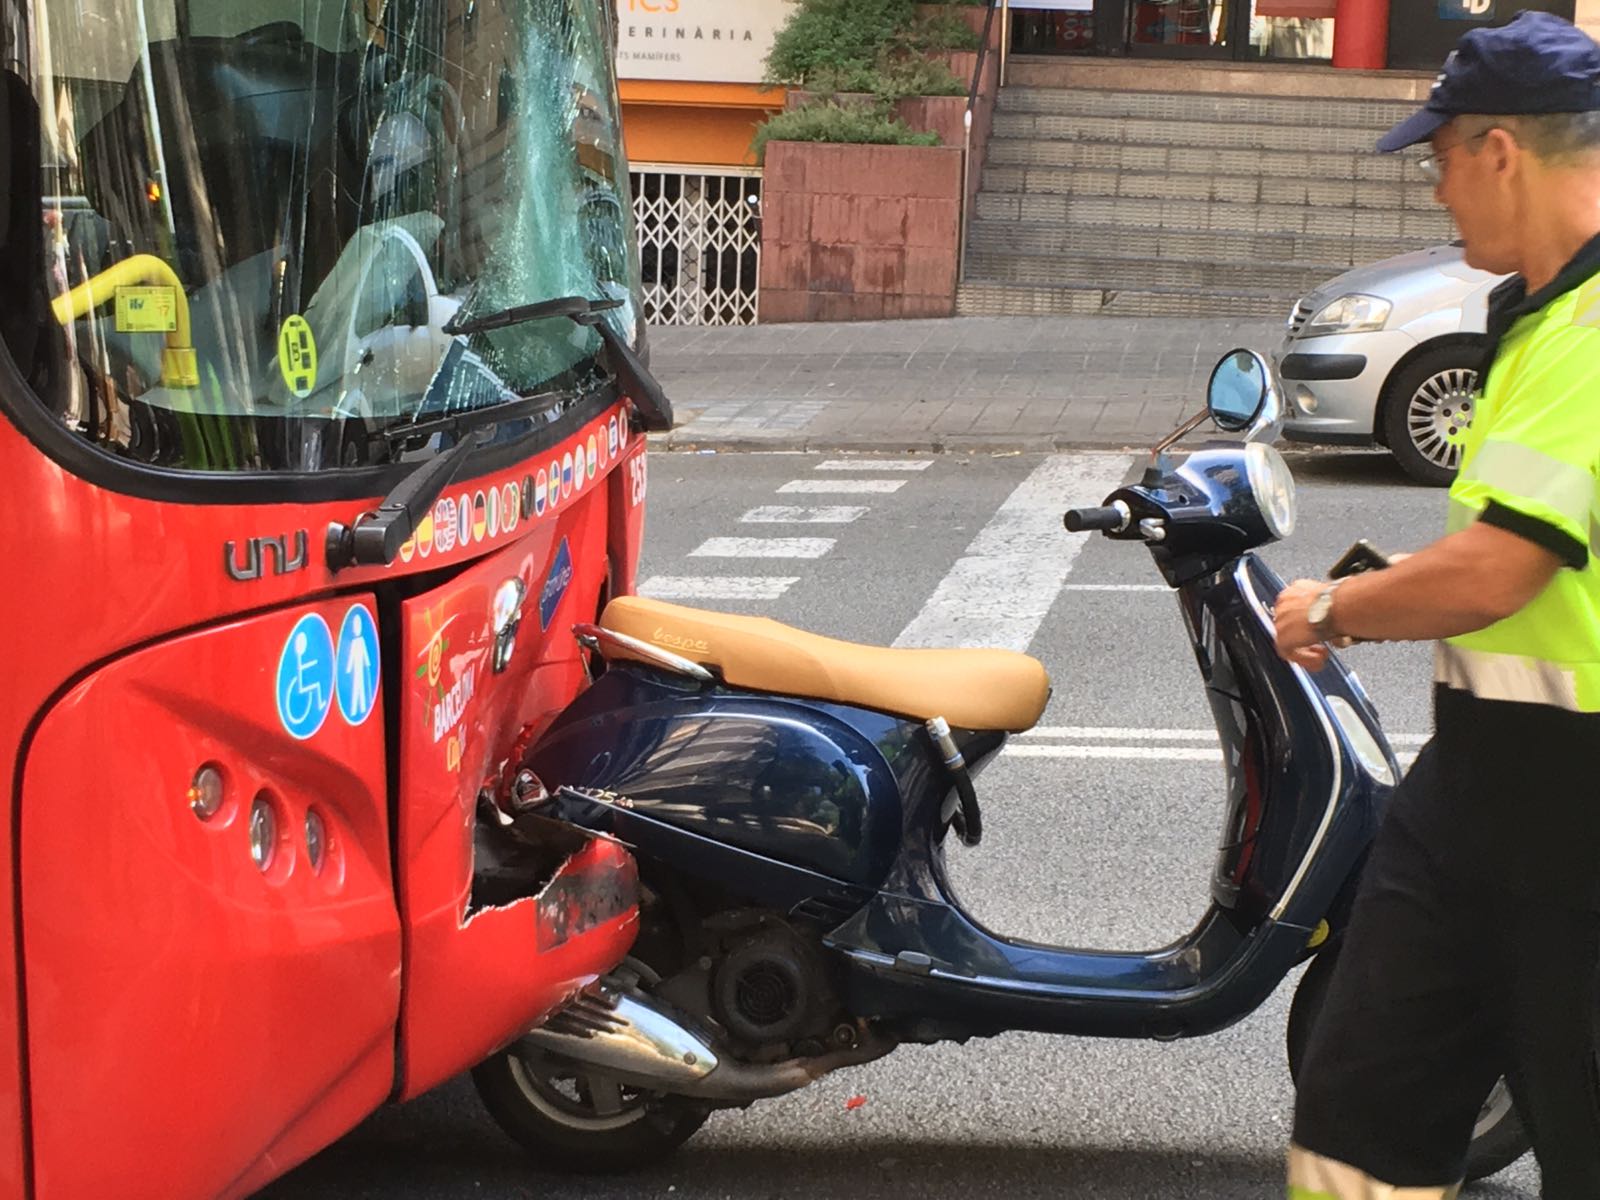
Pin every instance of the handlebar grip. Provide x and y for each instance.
(1106, 517)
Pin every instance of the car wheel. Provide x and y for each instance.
(1427, 406)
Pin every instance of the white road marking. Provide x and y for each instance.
(875, 464)
(742, 547)
(784, 514)
(1150, 753)
(1000, 591)
(716, 587)
(1123, 733)
(1116, 587)
(843, 487)
(1180, 753)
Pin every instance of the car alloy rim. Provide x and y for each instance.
(1439, 413)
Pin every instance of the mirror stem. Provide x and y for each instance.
(1188, 426)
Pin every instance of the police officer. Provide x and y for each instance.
(1473, 949)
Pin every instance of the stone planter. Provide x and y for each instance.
(857, 233)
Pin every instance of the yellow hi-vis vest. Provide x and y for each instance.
(1534, 448)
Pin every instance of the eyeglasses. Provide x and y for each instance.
(1432, 165)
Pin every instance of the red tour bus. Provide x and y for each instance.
(321, 423)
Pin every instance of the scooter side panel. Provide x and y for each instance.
(779, 778)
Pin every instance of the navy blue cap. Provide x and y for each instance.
(1538, 63)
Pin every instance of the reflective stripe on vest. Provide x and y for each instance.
(1312, 1177)
(1523, 471)
(1491, 676)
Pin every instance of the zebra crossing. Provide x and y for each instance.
(997, 592)
(830, 479)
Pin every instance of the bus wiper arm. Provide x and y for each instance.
(642, 388)
(375, 539)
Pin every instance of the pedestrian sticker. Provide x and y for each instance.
(357, 678)
(146, 310)
(297, 356)
(305, 677)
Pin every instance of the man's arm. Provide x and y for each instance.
(1463, 582)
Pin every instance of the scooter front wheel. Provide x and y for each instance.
(1498, 1139)
(573, 1119)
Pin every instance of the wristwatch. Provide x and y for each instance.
(1320, 614)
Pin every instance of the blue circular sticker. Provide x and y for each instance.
(356, 680)
(305, 677)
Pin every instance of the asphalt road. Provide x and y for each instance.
(1101, 834)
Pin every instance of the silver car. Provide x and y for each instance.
(1389, 354)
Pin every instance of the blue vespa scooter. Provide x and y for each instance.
(788, 798)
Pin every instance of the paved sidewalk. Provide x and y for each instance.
(965, 383)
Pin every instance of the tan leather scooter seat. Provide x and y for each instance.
(971, 689)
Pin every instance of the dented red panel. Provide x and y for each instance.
(101, 732)
(459, 719)
(200, 1015)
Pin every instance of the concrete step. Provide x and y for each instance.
(1004, 300)
(1221, 185)
(1043, 239)
(1195, 78)
(1222, 216)
(1376, 115)
(1277, 164)
(1289, 280)
(1239, 135)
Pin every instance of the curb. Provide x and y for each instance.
(888, 444)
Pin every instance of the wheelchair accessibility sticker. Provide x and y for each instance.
(305, 677)
(356, 681)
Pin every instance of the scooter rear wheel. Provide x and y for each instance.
(571, 1118)
(1498, 1140)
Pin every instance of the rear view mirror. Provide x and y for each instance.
(1238, 390)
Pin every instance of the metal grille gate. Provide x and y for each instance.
(699, 244)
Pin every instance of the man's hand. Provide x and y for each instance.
(1297, 641)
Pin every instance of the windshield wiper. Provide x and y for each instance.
(375, 539)
(641, 387)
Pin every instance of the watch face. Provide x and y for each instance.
(1320, 608)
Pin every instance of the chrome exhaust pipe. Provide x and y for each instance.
(639, 1041)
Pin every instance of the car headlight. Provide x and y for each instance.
(1272, 485)
(1354, 313)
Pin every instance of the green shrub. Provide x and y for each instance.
(835, 35)
(889, 80)
(826, 121)
(837, 45)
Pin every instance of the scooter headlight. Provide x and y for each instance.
(1272, 485)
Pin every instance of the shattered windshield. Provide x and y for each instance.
(261, 216)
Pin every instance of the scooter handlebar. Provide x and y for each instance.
(1112, 518)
